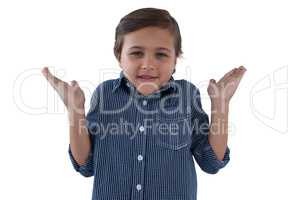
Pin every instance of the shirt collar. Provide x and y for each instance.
(123, 81)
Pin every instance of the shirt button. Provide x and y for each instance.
(142, 128)
(140, 157)
(144, 102)
(138, 187)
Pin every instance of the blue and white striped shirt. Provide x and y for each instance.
(143, 146)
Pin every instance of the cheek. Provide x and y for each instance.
(128, 61)
(166, 68)
(166, 72)
(125, 63)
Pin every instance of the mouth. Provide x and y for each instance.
(146, 77)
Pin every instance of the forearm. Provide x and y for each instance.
(218, 130)
(79, 138)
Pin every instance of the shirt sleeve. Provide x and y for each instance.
(200, 147)
(87, 169)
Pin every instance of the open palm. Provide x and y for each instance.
(224, 89)
(71, 94)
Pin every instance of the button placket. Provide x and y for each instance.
(138, 187)
(144, 102)
(140, 157)
(142, 129)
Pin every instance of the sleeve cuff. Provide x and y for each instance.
(86, 169)
(210, 155)
(207, 159)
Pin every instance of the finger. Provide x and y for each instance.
(212, 81)
(53, 80)
(228, 74)
(213, 84)
(45, 71)
(236, 75)
(235, 79)
(74, 83)
(213, 88)
(240, 72)
(242, 68)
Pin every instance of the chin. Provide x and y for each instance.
(147, 90)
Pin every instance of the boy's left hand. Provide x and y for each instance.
(223, 90)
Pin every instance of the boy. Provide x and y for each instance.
(143, 128)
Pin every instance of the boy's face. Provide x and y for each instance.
(148, 58)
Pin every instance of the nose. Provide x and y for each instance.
(148, 63)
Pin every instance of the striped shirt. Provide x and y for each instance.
(143, 146)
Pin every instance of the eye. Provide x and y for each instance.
(161, 55)
(137, 53)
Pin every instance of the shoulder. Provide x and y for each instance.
(189, 90)
(187, 86)
(106, 85)
(102, 88)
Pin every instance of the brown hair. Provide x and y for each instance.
(146, 17)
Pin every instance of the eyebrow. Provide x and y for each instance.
(159, 48)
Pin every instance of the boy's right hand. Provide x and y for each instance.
(71, 94)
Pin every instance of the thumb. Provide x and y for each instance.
(212, 81)
(74, 83)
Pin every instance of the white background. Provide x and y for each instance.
(75, 39)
